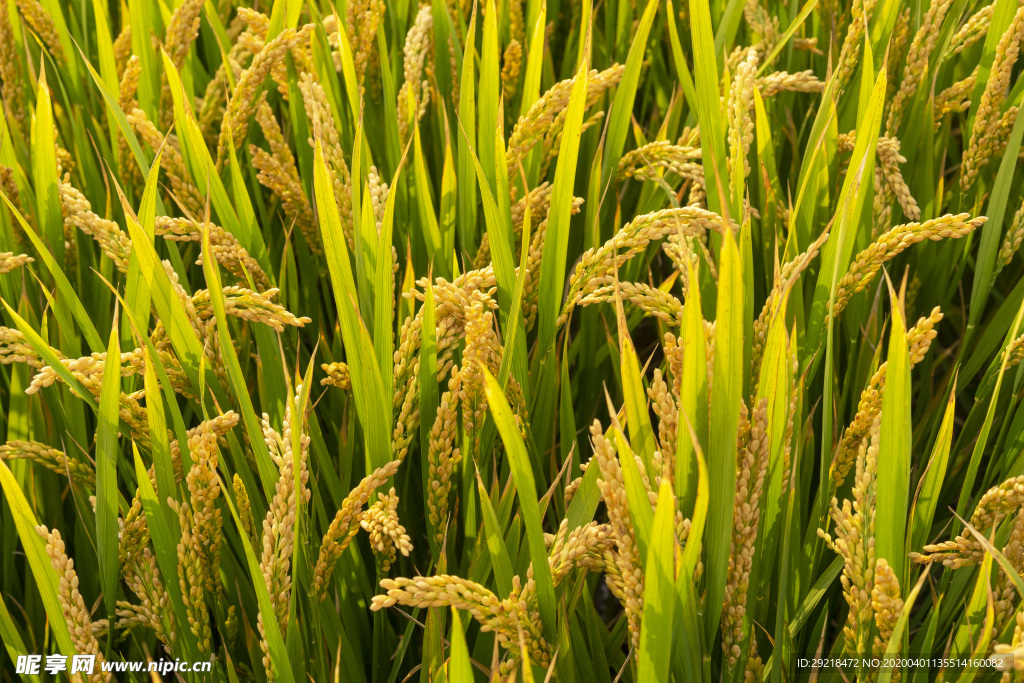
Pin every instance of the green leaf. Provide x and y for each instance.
(981, 445)
(815, 595)
(636, 494)
(894, 450)
(168, 306)
(569, 447)
(105, 51)
(44, 173)
(65, 290)
(467, 122)
(586, 27)
(725, 415)
(449, 198)
(278, 16)
(534, 61)
(372, 406)
(896, 639)
(638, 419)
(975, 623)
(682, 70)
(775, 387)
(136, 290)
(693, 400)
(499, 234)
(278, 654)
(988, 250)
(836, 255)
(927, 500)
(107, 451)
(515, 346)
(348, 69)
(165, 533)
(783, 40)
(625, 94)
(522, 474)
(253, 426)
(774, 196)
(390, 102)
(34, 547)
(110, 97)
(60, 29)
(240, 196)
(204, 173)
(709, 110)
(502, 189)
(141, 15)
(384, 288)
(490, 93)
(814, 187)
(459, 669)
(424, 199)
(363, 247)
(154, 364)
(695, 539)
(556, 239)
(584, 503)
(689, 634)
(495, 540)
(11, 638)
(50, 357)
(444, 30)
(728, 25)
(659, 580)
(157, 419)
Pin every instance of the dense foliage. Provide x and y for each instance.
(627, 341)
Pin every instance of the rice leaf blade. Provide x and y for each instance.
(467, 216)
(13, 641)
(552, 265)
(253, 426)
(44, 173)
(500, 559)
(895, 444)
(927, 500)
(490, 92)
(641, 433)
(526, 488)
(35, 551)
(371, 403)
(636, 494)
(64, 287)
(659, 603)
(459, 668)
(838, 251)
(709, 114)
(625, 94)
(693, 403)
(724, 415)
(136, 289)
(165, 538)
(278, 654)
(107, 449)
(984, 272)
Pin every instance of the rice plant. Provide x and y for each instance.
(382, 341)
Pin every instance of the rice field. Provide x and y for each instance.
(512, 340)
